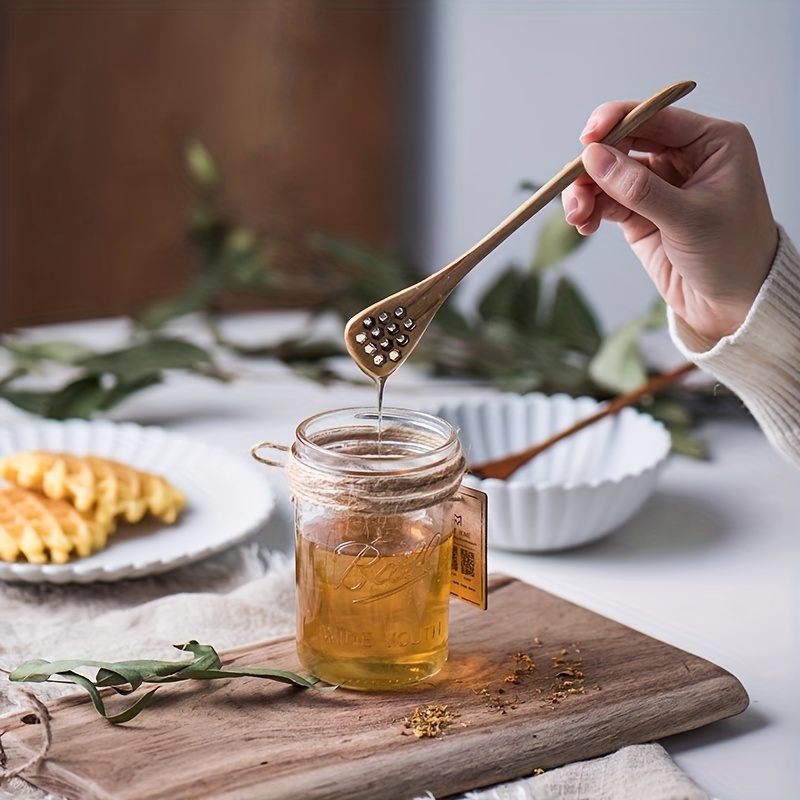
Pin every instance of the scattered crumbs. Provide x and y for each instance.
(569, 677)
(430, 720)
(523, 663)
(564, 677)
(502, 705)
(498, 703)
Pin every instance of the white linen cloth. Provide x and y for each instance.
(243, 596)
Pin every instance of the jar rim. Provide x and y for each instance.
(434, 441)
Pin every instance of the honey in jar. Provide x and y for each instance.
(373, 546)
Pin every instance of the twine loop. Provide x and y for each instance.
(375, 493)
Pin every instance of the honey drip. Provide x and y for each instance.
(380, 383)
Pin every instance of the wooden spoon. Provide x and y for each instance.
(504, 468)
(381, 337)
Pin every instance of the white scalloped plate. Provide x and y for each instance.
(227, 499)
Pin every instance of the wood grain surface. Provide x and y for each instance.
(249, 739)
(97, 101)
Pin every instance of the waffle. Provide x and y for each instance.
(43, 530)
(99, 488)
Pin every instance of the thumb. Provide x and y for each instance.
(632, 184)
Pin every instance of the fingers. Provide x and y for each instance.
(670, 127)
(633, 185)
(580, 202)
(587, 212)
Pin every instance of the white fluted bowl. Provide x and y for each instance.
(580, 489)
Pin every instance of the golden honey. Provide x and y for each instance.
(373, 600)
(372, 491)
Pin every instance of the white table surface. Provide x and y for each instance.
(711, 564)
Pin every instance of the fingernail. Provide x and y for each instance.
(570, 207)
(599, 160)
(591, 124)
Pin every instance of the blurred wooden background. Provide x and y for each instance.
(292, 98)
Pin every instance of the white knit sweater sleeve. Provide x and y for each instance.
(761, 361)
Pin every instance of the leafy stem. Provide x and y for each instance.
(125, 677)
(532, 329)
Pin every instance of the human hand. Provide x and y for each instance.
(693, 208)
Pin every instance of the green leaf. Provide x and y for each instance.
(241, 241)
(686, 445)
(132, 710)
(33, 402)
(525, 310)
(201, 165)
(572, 320)
(62, 352)
(113, 672)
(670, 412)
(208, 233)
(85, 683)
(294, 351)
(657, 315)
(123, 389)
(117, 675)
(556, 240)
(37, 670)
(618, 365)
(513, 297)
(141, 361)
(281, 676)
(544, 355)
(451, 321)
(201, 219)
(498, 300)
(205, 656)
(148, 670)
(80, 399)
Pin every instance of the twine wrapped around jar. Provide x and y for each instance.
(347, 461)
(370, 492)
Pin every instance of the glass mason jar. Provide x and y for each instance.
(373, 544)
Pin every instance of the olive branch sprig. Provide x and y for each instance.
(125, 677)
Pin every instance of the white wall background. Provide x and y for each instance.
(506, 86)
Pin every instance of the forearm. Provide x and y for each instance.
(761, 361)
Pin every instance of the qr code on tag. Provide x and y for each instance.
(466, 561)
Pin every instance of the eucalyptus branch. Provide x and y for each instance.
(532, 330)
(125, 677)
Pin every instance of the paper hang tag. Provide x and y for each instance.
(468, 573)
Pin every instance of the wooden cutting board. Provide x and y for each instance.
(246, 738)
